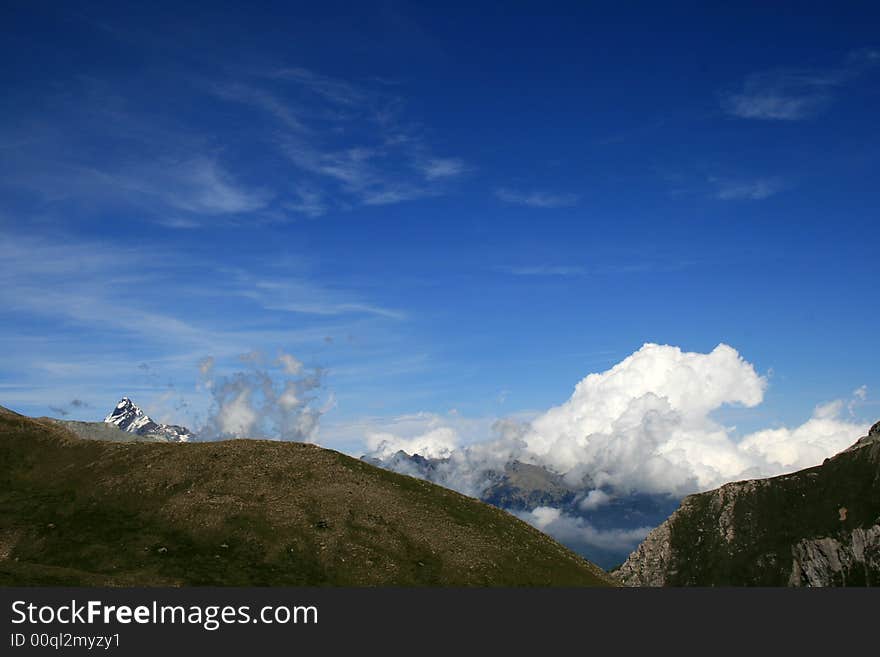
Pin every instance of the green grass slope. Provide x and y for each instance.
(247, 512)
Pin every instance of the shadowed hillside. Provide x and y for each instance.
(247, 512)
(815, 527)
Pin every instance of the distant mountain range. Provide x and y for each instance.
(815, 527)
(522, 487)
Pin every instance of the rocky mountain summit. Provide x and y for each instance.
(127, 416)
(815, 527)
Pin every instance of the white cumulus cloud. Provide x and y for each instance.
(645, 425)
(823, 435)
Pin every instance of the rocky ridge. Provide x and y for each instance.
(815, 527)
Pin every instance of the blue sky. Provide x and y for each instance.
(438, 207)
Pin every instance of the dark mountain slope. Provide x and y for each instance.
(247, 512)
(815, 527)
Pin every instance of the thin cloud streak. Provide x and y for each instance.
(746, 190)
(336, 146)
(82, 282)
(795, 94)
(439, 168)
(544, 270)
(299, 296)
(349, 142)
(536, 199)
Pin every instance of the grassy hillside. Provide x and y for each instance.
(247, 512)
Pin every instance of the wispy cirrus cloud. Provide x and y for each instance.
(544, 270)
(198, 185)
(536, 199)
(626, 263)
(181, 223)
(350, 143)
(337, 92)
(87, 286)
(248, 95)
(794, 94)
(189, 187)
(359, 175)
(782, 95)
(102, 154)
(119, 291)
(438, 168)
(299, 296)
(329, 144)
(308, 201)
(746, 190)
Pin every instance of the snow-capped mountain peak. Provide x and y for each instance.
(128, 416)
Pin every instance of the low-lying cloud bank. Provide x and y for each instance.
(575, 531)
(644, 425)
